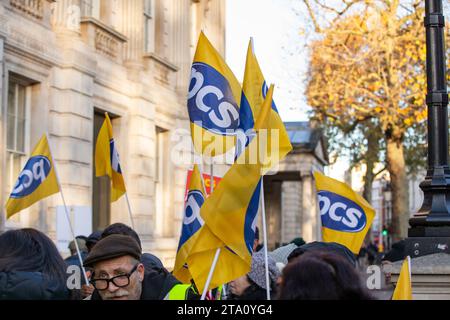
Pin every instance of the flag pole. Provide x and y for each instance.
(211, 272)
(216, 257)
(266, 257)
(129, 211)
(211, 177)
(67, 212)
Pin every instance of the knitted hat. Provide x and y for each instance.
(81, 245)
(113, 246)
(258, 272)
(281, 254)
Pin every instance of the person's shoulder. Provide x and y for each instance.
(23, 285)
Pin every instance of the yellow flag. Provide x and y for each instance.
(254, 91)
(192, 222)
(213, 101)
(107, 160)
(403, 290)
(346, 216)
(36, 181)
(227, 222)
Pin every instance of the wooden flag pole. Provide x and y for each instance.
(67, 213)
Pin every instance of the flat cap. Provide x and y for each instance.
(113, 246)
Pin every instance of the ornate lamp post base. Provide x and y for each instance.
(430, 227)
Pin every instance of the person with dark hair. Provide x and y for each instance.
(318, 275)
(298, 241)
(253, 286)
(257, 246)
(93, 238)
(31, 267)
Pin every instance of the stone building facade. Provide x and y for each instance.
(66, 62)
(291, 202)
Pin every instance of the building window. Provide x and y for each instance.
(149, 26)
(17, 127)
(101, 195)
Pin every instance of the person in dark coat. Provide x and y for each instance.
(31, 267)
(397, 252)
(318, 246)
(73, 259)
(119, 274)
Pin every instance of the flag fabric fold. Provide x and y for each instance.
(192, 222)
(346, 216)
(224, 213)
(403, 289)
(107, 160)
(36, 181)
(213, 101)
(254, 92)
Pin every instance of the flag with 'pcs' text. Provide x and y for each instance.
(346, 216)
(224, 213)
(213, 101)
(192, 222)
(36, 181)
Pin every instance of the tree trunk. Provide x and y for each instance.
(368, 181)
(400, 207)
(370, 159)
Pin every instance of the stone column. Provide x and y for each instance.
(179, 43)
(71, 110)
(309, 208)
(66, 16)
(291, 210)
(214, 23)
(131, 24)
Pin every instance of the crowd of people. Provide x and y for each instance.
(32, 268)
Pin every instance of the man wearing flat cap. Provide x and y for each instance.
(118, 273)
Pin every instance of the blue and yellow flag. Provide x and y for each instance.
(213, 101)
(192, 222)
(346, 216)
(36, 181)
(107, 160)
(254, 91)
(403, 289)
(224, 213)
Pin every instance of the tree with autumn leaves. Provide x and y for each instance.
(367, 80)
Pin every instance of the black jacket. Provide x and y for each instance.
(156, 286)
(21, 285)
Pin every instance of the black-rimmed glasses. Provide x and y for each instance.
(119, 281)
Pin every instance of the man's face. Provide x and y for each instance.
(120, 266)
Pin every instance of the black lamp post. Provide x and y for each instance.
(430, 227)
